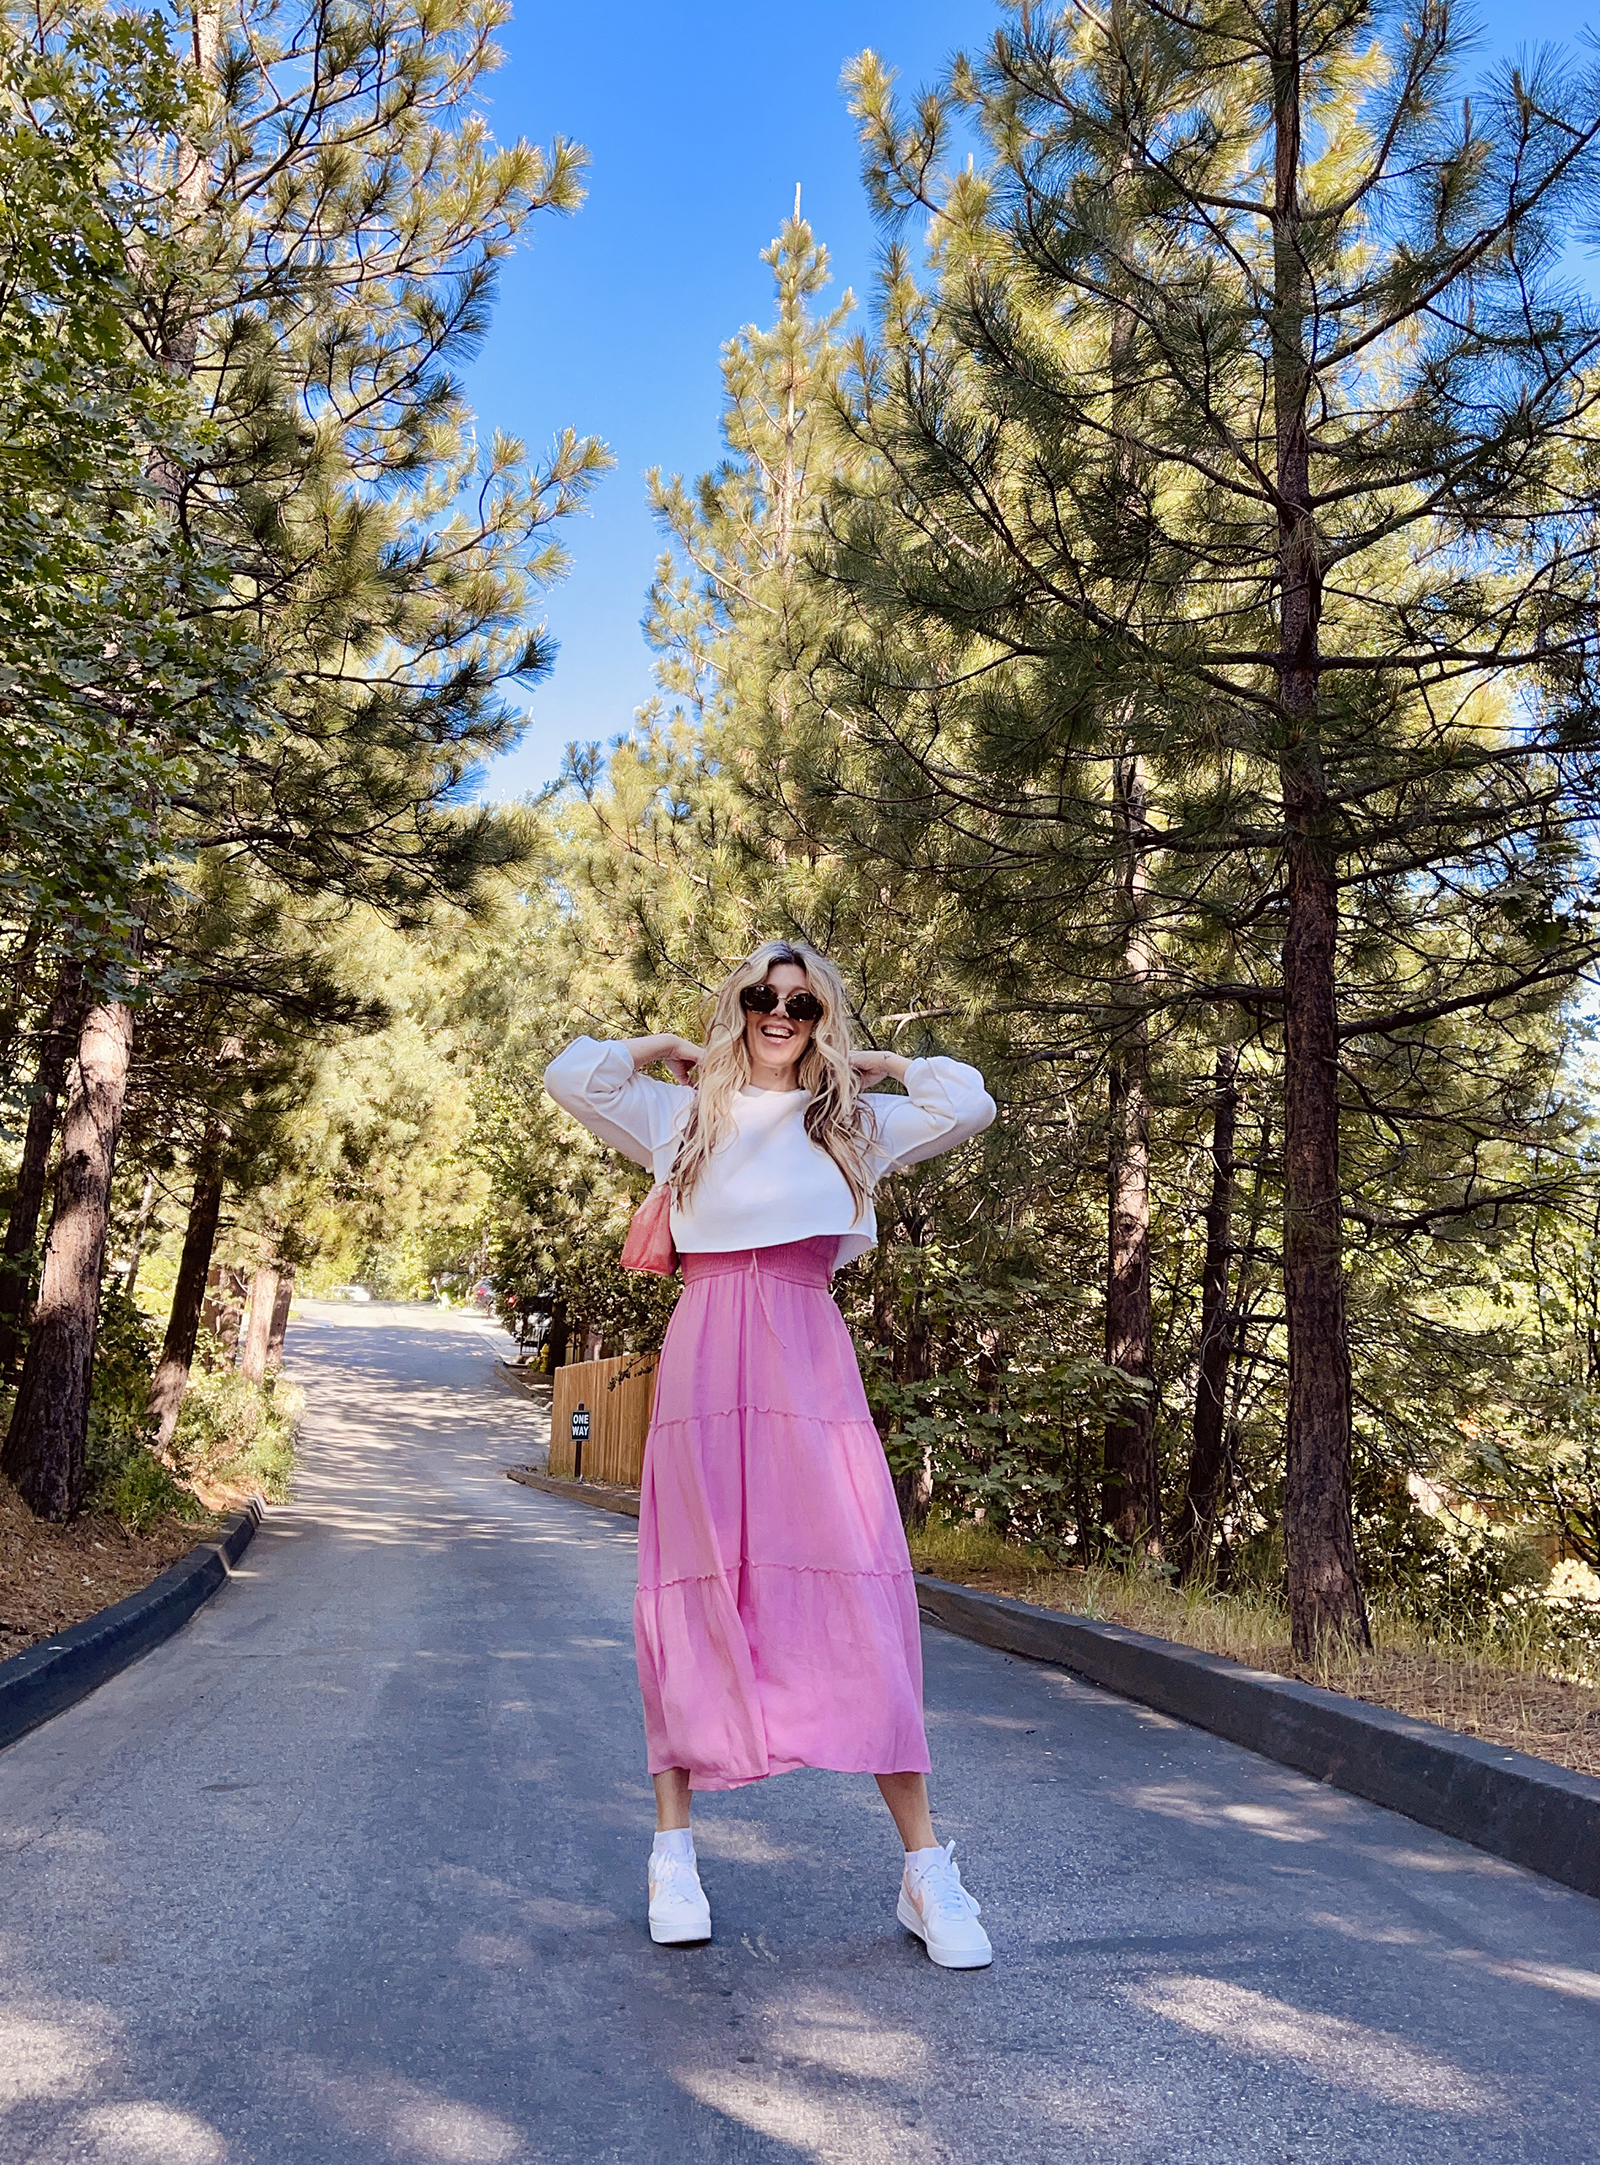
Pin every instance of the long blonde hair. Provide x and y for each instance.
(833, 1117)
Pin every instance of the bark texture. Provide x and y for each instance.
(1209, 1439)
(256, 1335)
(22, 1228)
(141, 1233)
(189, 1293)
(1324, 1592)
(223, 1312)
(44, 1447)
(278, 1330)
(1131, 1496)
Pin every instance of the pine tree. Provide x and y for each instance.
(1254, 278)
(111, 687)
(315, 257)
(696, 845)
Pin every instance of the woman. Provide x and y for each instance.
(776, 1619)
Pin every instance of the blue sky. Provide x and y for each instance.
(699, 120)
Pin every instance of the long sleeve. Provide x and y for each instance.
(599, 1085)
(944, 1106)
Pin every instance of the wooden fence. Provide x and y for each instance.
(608, 1445)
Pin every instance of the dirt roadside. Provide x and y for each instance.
(55, 1576)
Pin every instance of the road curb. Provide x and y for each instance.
(623, 1501)
(48, 1678)
(519, 1380)
(1526, 1810)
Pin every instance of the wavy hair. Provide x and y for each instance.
(833, 1117)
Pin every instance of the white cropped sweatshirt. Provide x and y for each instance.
(769, 1183)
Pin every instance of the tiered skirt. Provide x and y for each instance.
(776, 1618)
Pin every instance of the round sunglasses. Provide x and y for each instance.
(763, 1000)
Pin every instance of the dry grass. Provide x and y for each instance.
(1519, 1706)
(54, 1576)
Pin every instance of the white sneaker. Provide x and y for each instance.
(679, 1911)
(934, 1904)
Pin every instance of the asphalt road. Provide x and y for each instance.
(352, 1870)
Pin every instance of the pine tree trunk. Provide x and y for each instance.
(45, 1444)
(1131, 1499)
(257, 1332)
(559, 1334)
(44, 1447)
(189, 1293)
(1324, 1593)
(22, 1228)
(279, 1328)
(141, 1229)
(241, 1346)
(1208, 1443)
(913, 1488)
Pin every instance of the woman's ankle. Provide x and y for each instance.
(673, 1799)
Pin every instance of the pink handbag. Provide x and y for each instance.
(649, 1245)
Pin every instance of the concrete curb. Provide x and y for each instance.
(519, 1380)
(1527, 1810)
(623, 1501)
(47, 1678)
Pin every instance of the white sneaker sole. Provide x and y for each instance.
(691, 1934)
(906, 1911)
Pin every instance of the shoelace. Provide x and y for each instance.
(941, 1889)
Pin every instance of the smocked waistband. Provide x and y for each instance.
(802, 1262)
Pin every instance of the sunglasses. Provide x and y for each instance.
(763, 1000)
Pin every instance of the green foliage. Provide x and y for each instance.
(236, 1432)
(1053, 708)
(954, 1548)
(944, 585)
(231, 1431)
(343, 244)
(264, 589)
(127, 1480)
(124, 1475)
(117, 693)
(1010, 1417)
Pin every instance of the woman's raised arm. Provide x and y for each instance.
(600, 1084)
(675, 1053)
(945, 1105)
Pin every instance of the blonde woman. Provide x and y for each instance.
(776, 1618)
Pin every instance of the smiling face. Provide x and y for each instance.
(775, 1043)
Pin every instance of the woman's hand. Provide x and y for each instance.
(871, 1067)
(676, 1054)
(683, 1058)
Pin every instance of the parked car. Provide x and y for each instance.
(350, 1293)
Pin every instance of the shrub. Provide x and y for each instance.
(236, 1432)
(124, 1477)
(231, 1433)
(128, 1481)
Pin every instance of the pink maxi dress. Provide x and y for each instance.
(775, 1623)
